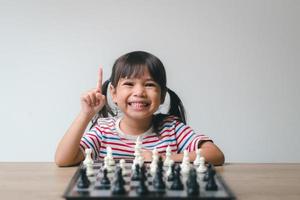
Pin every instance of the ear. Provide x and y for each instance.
(113, 93)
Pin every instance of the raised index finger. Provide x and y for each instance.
(99, 82)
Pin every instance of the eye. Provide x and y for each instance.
(151, 84)
(128, 83)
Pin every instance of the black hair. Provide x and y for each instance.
(132, 65)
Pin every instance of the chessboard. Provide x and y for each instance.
(106, 185)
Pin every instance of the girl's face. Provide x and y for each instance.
(138, 98)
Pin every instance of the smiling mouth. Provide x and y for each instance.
(139, 105)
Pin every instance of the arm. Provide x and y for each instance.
(212, 153)
(209, 151)
(68, 150)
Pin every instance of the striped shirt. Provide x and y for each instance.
(172, 133)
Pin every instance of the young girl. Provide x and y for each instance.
(137, 87)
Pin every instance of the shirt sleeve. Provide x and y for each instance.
(92, 140)
(187, 139)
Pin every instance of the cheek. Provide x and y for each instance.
(121, 98)
(157, 97)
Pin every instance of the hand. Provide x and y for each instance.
(93, 100)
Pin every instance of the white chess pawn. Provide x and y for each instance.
(153, 164)
(198, 155)
(168, 156)
(89, 170)
(123, 167)
(111, 160)
(169, 170)
(137, 157)
(185, 165)
(202, 167)
(141, 160)
(88, 157)
(138, 146)
(137, 152)
(106, 166)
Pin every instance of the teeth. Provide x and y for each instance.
(138, 105)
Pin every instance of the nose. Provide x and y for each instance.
(139, 91)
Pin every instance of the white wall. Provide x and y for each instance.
(234, 63)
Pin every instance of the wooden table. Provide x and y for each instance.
(248, 181)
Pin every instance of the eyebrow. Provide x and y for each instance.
(147, 79)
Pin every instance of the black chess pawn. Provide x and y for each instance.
(83, 179)
(105, 180)
(118, 186)
(119, 174)
(158, 182)
(104, 183)
(143, 173)
(172, 174)
(177, 183)
(205, 177)
(142, 188)
(136, 173)
(192, 183)
(211, 182)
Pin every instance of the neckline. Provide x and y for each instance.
(131, 137)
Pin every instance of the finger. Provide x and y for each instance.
(89, 100)
(94, 98)
(99, 98)
(85, 99)
(99, 83)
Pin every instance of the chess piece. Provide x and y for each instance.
(89, 170)
(211, 182)
(141, 160)
(118, 186)
(143, 173)
(88, 162)
(106, 166)
(171, 171)
(104, 182)
(158, 182)
(88, 157)
(198, 156)
(168, 156)
(185, 165)
(202, 167)
(192, 183)
(136, 173)
(205, 177)
(153, 164)
(138, 159)
(109, 155)
(177, 183)
(142, 188)
(83, 179)
(123, 167)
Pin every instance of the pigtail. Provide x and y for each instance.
(176, 106)
(176, 109)
(106, 110)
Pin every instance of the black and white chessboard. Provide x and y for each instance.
(93, 192)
